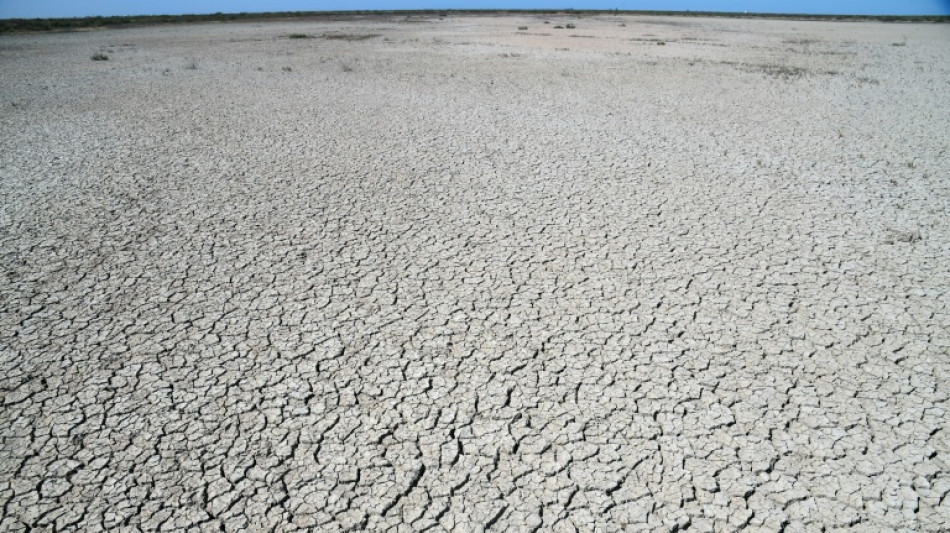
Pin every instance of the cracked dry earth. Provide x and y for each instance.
(445, 274)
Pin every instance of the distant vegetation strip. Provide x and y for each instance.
(70, 24)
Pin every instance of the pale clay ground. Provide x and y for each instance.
(460, 277)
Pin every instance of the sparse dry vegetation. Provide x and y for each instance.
(352, 37)
(781, 71)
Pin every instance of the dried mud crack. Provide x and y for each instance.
(466, 274)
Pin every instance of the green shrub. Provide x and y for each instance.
(298, 36)
(99, 56)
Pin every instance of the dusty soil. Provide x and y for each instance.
(449, 274)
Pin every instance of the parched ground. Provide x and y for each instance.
(407, 274)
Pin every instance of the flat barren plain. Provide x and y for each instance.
(553, 273)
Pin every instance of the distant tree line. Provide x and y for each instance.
(68, 24)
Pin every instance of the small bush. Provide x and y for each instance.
(569, 26)
(99, 56)
(298, 36)
(661, 43)
(559, 27)
(522, 28)
(287, 69)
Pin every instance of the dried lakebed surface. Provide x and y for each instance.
(448, 274)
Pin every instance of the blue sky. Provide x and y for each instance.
(82, 8)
